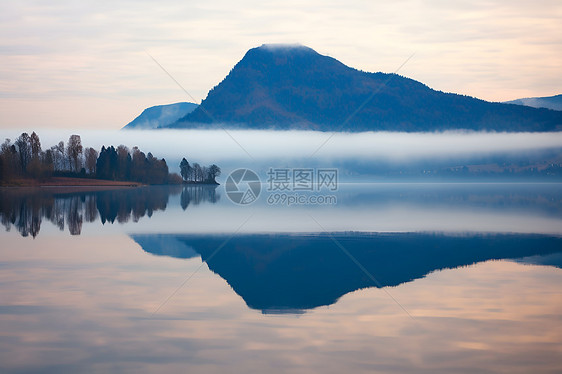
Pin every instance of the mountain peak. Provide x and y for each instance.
(280, 54)
(280, 49)
(283, 46)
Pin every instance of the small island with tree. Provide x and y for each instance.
(25, 163)
(197, 174)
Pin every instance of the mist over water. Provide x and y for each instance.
(261, 149)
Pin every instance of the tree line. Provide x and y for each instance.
(25, 158)
(123, 165)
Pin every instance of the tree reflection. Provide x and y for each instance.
(25, 209)
(196, 194)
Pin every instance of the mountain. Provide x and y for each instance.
(550, 102)
(160, 116)
(286, 87)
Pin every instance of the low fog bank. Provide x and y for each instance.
(245, 145)
(365, 153)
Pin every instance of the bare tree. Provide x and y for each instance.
(24, 150)
(91, 156)
(185, 169)
(58, 156)
(9, 158)
(197, 172)
(35, 144)
(213, 172)
(34, 166)
(74, 152)
(124, 162)
(47, 161)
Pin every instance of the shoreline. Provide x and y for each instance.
(67, 182)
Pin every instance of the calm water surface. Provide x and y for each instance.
(393, 278)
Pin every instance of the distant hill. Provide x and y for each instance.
(160, 116)
(286, 87)
(550, 102)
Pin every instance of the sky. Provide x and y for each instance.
(86, 65)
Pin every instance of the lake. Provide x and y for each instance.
(386, 278)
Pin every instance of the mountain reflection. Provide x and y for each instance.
(25, 209)
(293, 273)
